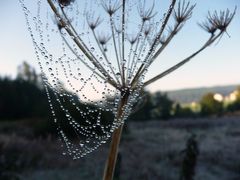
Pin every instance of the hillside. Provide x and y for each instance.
(195, 94)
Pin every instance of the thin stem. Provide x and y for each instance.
(183, 13)
(178, 65)
(176, 29)
(73, 29)
(119, 47)
(128, 65)
(114, 146)
(115, 44)
(112, 156)
(138, 40)
(105, 57)
(156, 40)
(123, 41)
(139, 54)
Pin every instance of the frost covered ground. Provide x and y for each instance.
(149, 151)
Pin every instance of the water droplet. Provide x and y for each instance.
(92, 49)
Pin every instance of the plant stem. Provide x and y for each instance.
(114, 145)
(112, 155)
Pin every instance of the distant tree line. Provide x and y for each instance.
(159, 106)
(24, 97)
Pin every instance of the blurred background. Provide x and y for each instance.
(187, 126)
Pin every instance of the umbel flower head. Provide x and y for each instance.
(111, 7)
(146, 14)
(103, 38)
(132, 38)
(217, 21)
(93, 21)
(106, 72)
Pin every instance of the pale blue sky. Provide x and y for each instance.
(218, 65)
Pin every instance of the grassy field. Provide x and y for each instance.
(149, 151)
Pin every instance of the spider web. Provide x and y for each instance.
(83, 103)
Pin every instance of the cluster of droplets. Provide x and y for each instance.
(83, 100)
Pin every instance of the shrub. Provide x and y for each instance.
(210, 106)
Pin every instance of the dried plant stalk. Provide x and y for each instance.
(127, 78)
(112, 155)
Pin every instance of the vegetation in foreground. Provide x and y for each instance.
(151, 150)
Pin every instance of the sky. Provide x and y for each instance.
(218, 65)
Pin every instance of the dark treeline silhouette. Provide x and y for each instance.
(21, 99)
(24, 97)
(153, 106)
(159, 106)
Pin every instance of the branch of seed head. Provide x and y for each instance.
(76, 34)
(147, 31)
(146, 15)
(123, 39)
(181, 15)
(78, 42)
(155, 42)
(87, 49)
(119, 31)
(139, 53)
(101, 40)
(110, 7)
(132, 38)
(75, 52)
(93, 22)
(216, 21)
(117, 54)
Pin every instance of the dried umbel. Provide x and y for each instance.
(102, 63)
(217, 21)
(111, 6)
(146, 14)
(93, 21)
